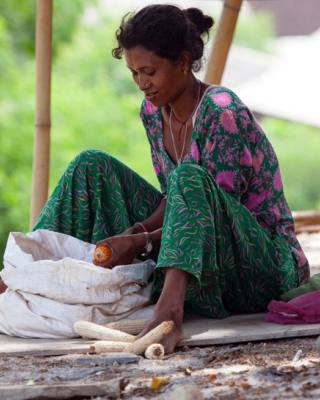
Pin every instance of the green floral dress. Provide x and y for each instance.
(226, 222)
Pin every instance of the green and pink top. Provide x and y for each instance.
(228, 141)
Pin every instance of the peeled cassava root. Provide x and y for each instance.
(94, 331)
(138, 346)
(153, 352)
(156, 334)
(132, 326)
(101, 254)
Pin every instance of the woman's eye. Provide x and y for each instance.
(150, 73)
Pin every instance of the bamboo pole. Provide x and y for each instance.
(222, 41)
(41, 151)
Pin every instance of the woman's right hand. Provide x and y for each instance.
(122, 248)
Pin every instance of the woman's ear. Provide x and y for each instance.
(185, 62)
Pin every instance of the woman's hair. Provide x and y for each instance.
(165, 30)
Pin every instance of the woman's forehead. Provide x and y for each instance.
(138, 58)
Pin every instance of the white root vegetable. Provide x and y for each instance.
(154, 352)
(140, 345)
(132, 326)
(105, 346)
(94, 331)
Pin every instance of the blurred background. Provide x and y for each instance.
(273, 66)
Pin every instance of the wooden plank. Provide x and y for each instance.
(13, 346)
(299, 228)
(18, 347)
(197, 331)
(306, 217)
(241, 328)
(62, 391)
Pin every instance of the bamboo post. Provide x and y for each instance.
(222, 41)
(41, 151)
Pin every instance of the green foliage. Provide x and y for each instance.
(98, 106)
(255, 31)
(20, 20)
(16, 120)
(298, 148)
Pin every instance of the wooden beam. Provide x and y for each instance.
(306, 217)
(222, 41)
(41, 152)
(65, 390)
(306, 221)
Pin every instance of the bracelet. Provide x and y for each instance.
(142, 226)
(148, 246)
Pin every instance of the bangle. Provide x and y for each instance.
(148, 246)
(142, 226)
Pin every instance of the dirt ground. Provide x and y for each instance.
(281, 369)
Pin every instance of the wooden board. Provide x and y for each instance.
(197, 332)
(241, 328)
(110, 389)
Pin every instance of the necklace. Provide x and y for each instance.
(185, 129)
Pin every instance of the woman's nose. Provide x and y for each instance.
(143, 83)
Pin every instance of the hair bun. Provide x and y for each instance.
(201, 21)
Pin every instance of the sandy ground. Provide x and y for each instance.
(283, 369)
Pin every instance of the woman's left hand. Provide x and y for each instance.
(123, 250)
(170, 307)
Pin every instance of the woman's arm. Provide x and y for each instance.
(155, 220)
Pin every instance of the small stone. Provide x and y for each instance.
(297, 356)
(185, 392)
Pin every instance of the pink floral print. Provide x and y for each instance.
(229, 142)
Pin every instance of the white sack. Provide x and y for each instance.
(52, 283)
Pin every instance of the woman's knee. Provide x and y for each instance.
(91, 158)
(91, 155)
(187, 174)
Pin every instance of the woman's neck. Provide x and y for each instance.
(186, 101)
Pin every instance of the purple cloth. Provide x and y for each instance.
(304, 309)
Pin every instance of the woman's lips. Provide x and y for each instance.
(151, 96)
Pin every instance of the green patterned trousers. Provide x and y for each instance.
(233, 262)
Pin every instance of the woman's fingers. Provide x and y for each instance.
(169, 341)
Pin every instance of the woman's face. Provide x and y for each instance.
(160, 79)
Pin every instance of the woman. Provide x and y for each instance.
(227, 234)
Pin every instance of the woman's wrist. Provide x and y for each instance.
(139, 227)
(140, 241)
